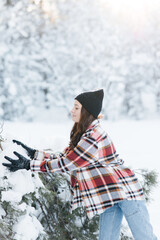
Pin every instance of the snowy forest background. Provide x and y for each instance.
(50, 51)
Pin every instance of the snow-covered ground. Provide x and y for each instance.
(137, 142)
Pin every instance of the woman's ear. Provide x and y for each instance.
(100, 116)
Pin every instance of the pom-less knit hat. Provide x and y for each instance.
(91, 101)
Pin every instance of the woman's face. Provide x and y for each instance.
(76, 111)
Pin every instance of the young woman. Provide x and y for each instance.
(99, 180)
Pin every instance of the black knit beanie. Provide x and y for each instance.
(91, 101)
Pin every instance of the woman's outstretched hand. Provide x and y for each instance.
(30, 151)
(14, 165)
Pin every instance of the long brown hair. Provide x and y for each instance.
(79, 128)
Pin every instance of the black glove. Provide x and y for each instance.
(30, 151)
(21, 163)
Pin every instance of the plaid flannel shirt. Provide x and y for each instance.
(98, 177)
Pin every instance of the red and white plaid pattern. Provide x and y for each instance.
(98, 177)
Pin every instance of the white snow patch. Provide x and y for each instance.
(11, 196)
(28, 228)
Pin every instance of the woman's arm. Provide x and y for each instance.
(82, 155)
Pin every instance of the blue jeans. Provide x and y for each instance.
(137, 216)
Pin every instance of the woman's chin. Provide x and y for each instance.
(74, 120)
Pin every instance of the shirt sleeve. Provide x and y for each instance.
(82, 155)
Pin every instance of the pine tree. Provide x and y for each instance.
(57, 219)
(16, 201)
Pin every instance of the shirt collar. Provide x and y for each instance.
(93, 124)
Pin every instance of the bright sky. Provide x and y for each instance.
(133, 7)
(135, 13)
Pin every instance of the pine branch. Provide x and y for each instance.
(149, 181)
(1, 138)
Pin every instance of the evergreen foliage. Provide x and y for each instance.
(150, 180)
(11, 214)
(58, 220)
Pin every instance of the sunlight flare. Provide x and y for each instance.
(135, 13)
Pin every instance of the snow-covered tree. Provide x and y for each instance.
(18, 215)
